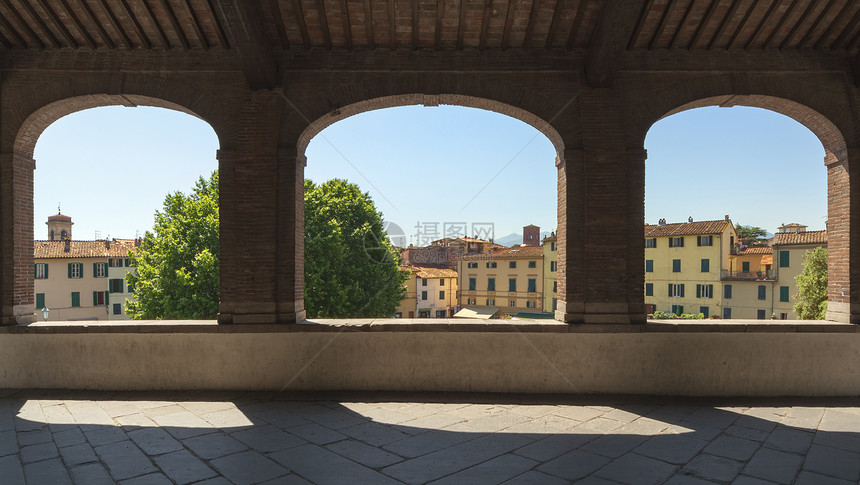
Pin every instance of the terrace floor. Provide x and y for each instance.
(56, 437)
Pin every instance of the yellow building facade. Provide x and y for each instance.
(550, 273)
(511, 280)
(789, 253)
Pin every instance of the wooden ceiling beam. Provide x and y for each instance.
(347, 25)
(700, 30)
(664, 22)
(610, 39)
(165, 43)
(781, 23)
(368, 24)
(137, 27)
(58, 24)
(760, 27)
(742, 24)
(34, 38)
(807, 37)
(114, 22)
(242, 21)
(195, 24)
(553, 26)
(830, 28)
(91, 17)
(673, 44)
(44, 28)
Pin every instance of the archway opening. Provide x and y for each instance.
(467, 188)
(735, 198)
(102, 173)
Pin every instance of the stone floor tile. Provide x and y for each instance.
(810, 478)
(78, 454)
(11, 470)
(677, 449)
(91, 474)
(679, 479)
(154, 441)
(579, 413)
(105, 435)
(69, 436)
(574, 465)
(248, 467)
(216, 481)
(455, 458)
(34, 453)
(711, 417)
(600, 425)
(228, 419)
(790, 440)
(496, 422)
(337, 419)
(124, 460)
(755, 422)
(290, 479)
(317, 434)
(622, 415)
(833, 462)
(268, 438)
(115, 409)
(374, 434)
(431, 421)
(34, 437)
(182, 467)
(773, 465)
(319, 465)
(713, 467)
(207, 407)
(51, 472)
(731, 447)
(134, 421)
(183, 424)
(614, 445)
(88, 415)
(366, 455)
(747, 433)
(533, 410)
(553, 445)
(701, 432)
(214, 445)
(636, 469)
(151, 479)
(748, 480)
(496, 470)
(476, 410)
(8, 443)
(429, 442)
(534, 477)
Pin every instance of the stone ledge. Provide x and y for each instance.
(398, 325)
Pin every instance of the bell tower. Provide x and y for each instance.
(59, 227)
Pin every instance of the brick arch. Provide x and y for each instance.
(840, 292)
(316, 126)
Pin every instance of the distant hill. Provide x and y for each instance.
(512, 239)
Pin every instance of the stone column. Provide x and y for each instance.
(16, 239)
(843, 229)
(290, 297)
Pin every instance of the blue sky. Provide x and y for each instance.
(110, 168)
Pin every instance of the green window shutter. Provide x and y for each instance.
(34, 270)
(682, 290)
(95, 298)
(40, 301)
(107, 298)
(95, 270)
(70, 270)
(706, 265)
(783, 293)
(669, 290)
(698, 291)
(745, 267)
(710, 291)
(784, 260)
(76, 299)
(46, 270)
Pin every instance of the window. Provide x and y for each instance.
(727, 291)
(552, 246)
(512, 264)
(552, 265)
(783, 259)
(761, 315)
(555, 286)
(441, 313)
(727, 313)
(99, 270)
(783, 316)
(530, 304)
(512, 284)
(441, 295)
(40, 301)
(471, 301)
(649, 289)
(76, 299)
(127, 263)
(676, 242)
(115, 285)
(512, 303)
(705, 311)
(762, 292)
(76, 270)
(532, 285)
(745, 267)
(423, 295)
(651, 242)
(649, 265)
(554, 304)
(704, 291)
(473, 282)
(115, 305)
(491, 302)
(705, 241)
(677, 309)
(129, 287)
(676, 291)
(532, 264)
(41, 272)
(676, 265)
(491, 284)
(783, 293)
(492, 265)
(706, 265)
(423, 281)
(471, 265)
(441, 281)
(100, 298)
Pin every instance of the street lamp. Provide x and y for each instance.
(45, 313)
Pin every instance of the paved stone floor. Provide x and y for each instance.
(91, 438)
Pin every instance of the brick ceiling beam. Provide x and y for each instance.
(611, 35)
(242, 23)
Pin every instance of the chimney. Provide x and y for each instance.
(727, 218)
(107, 243)
(137, 242)
(68, 246)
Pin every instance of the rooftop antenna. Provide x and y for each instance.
(98, 235)
(58, 208)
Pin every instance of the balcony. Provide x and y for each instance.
(728, 275)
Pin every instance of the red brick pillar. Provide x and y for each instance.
(16, 239)
(571, 274)
(843, 227)
(290, 298)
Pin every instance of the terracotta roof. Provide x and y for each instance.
(60, 217)
(756, 250)
(519, 252)
(549, 238)
(428, 272)
(806, 237)
(119, 248)
(686, 228)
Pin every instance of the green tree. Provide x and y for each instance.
(812, 286)
(754, 235)
(351, 269)
(177, 265)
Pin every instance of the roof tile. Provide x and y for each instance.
(806, 237)
(119, 248)
(686, 228)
